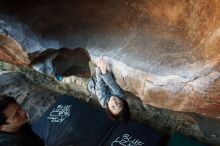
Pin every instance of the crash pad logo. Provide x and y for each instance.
(59, 113)
(126, 140)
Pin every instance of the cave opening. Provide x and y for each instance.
(63, 61)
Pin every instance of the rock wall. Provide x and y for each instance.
(165, 52)
(11, 51)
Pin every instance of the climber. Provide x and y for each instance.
(110, 95)
(14, 127)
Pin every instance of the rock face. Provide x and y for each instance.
(165, 52)
(199, 94)
(11, 51)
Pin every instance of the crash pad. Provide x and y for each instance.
(178, 139)
(70, 122)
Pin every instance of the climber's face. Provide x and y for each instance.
(115, 105)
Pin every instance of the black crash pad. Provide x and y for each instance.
(133, 134)
(69, 122)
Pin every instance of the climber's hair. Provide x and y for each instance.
(124, 115)
(4, 102)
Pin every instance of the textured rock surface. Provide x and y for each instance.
(200, 94)
(11, 51)
(165, 52)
